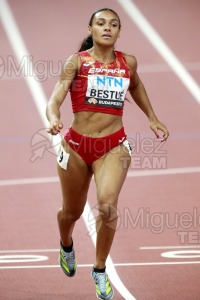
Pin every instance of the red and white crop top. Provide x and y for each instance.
(100, 87)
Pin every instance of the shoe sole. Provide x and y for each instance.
(69, 275)
(105, 298)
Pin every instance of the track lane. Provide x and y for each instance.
(183, 158)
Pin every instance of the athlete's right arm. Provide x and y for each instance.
(59, 93)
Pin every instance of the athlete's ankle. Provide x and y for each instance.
(67, 246)
(99, 270)
(99, 266)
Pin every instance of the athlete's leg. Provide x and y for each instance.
(74, 184)
(110, 173)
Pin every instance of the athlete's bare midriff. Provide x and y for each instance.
(96, 124)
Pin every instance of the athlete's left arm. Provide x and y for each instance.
(139, 95)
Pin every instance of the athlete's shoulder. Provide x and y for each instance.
(72, 59)
(131, 59)
(70, 67)
(131, 62)
(72, 62)
(83, 53)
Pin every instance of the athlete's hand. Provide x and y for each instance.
(156, 125)
(55, 127)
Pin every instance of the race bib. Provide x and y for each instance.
(108, 91)
(63, 158)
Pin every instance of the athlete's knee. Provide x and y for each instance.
(108, 212)
(69, 215)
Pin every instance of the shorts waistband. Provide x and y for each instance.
(77, 136)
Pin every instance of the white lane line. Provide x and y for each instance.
(170, 247)
(171, 171)
(138, 173)
(21, 51)
(114, 278)
(22, 258)
(160, 263)
(30, 251)
(41, 267)
(163, 49)
(89, 229)
(40, 100)
(28, 181)
(142, 68)
(163, 68)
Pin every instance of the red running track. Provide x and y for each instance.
(159, 212)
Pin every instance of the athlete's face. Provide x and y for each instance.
(105, 28)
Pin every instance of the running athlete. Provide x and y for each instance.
(98, 78)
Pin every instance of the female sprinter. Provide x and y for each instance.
(98, 78)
